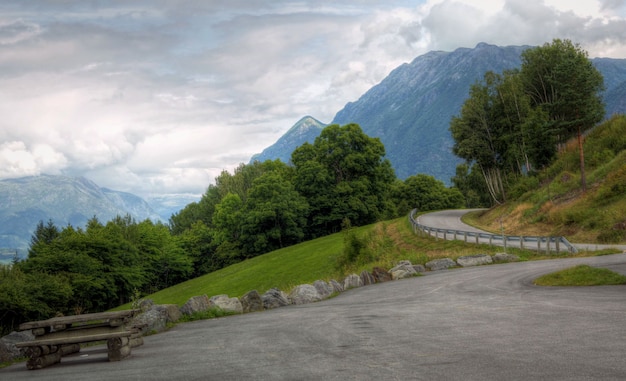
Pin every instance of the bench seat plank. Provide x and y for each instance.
(69, 320)
(75, 339)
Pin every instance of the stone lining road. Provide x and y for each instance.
(481, 323)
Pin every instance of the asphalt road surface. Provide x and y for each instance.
(481, 323)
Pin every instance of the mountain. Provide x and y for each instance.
(410, 110)
(304, 131)
(65, 200)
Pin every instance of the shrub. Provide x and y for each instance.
(523, 185)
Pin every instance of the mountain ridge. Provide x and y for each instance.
(410, 109)
(65, 200)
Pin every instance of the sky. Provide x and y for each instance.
(158, 97)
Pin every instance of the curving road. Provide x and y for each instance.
(481, 323)
(451, 219)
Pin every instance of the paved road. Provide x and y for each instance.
(451, 219)
(481, 323)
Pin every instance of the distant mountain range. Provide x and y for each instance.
(411, 109)
(65, 200)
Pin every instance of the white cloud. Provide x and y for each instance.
(157, 97)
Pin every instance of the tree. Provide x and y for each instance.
(43, 235)
(477, 135)
(343, 174)
(425, 193)
(560, 79)
(275, 217)
(472, 186)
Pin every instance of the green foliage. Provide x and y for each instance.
(472, 186)
(425, 193)
(581, 275)
(613, 187)
(560, 78)
(355, 248)
(522, 186)
(343, 174)
(30, 296)
(276, 215)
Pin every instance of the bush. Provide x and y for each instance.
(612, 236)
(523, 185)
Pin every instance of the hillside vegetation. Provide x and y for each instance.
(553, 203)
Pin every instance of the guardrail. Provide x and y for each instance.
(538, 243)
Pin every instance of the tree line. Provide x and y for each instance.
(341, 179)
(514, 122)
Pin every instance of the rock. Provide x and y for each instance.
(274, 298)
(195, 304)
(419, 268)
(152, 320)
(323, 288)
(251, 302)
(303, 294)
(440, 264)
(474, 260)
(8, 350)
(231, 305)
(404, 269)
(352, 281)
(367, 278)
(504, 257)
(337, 287)
(381, 275)
(401, 274)
(145, 304)
(172, 312)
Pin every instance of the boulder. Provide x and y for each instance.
(172, 311)
(195, 304)
(251, 302)
(303, 294)
(419, 268)
(504, 257)
(337, 287)
(440, 264)
(474, 260)
(352, 281)
(152, 320)
(274, 298)
(230, 305)
(367, 278)
(145, 304)
(323, 288)
(404, 269)
(381, 275)
(8, 350)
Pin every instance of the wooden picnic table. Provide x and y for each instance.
(63, 335)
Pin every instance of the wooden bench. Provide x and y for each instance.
(60, 336)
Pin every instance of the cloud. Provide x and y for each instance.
(157, 97)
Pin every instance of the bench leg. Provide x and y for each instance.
(118, 348)
(41, 357)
